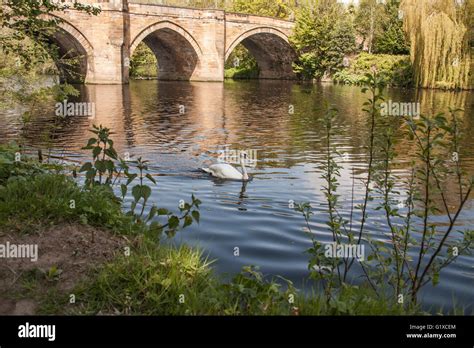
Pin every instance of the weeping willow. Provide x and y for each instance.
(439, 33)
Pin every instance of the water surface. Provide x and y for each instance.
(255, 217)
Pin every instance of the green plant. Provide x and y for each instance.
(389, 269)
(437, 142)
(250, 293)
(107, 169)
(242, 73)
(13, 164)
(52, 274)
(103, 156)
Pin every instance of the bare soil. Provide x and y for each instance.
(73, 249)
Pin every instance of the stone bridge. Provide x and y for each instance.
(190, 44)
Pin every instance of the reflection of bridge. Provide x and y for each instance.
(190, 44)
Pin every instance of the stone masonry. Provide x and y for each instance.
(190, 44)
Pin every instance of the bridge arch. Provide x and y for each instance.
(75, 52)
(271, 49)
(177, 52)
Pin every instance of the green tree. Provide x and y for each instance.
(323, 35)
(22, 20)
(389, 37)
(143, 62)
(273, 8)
(439, 39)
(368, 18)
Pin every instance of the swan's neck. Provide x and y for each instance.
(245, 176)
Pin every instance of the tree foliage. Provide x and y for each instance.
(143, 63)
(439, 38)
(32, 19)
(322, 36)
(379, 27)
(272, 8)
(390, 37)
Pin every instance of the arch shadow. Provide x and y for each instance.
(75, 53)
(177, 52)
(271, 49)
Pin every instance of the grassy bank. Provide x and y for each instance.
(181, 281)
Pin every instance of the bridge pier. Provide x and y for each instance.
(103, 38)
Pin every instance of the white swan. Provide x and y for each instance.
(226, 171)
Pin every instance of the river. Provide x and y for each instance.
(181, 126)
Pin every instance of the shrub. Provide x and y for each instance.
(242, 73)
(394, 70)
(9, 167)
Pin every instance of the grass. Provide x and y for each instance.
(180, 281)
(151, 281)
(30, 203)
(34, 195)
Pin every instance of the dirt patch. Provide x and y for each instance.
(65, 255)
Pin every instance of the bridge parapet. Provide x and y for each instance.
(103, 4)
(248, 18)
(172, 11)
